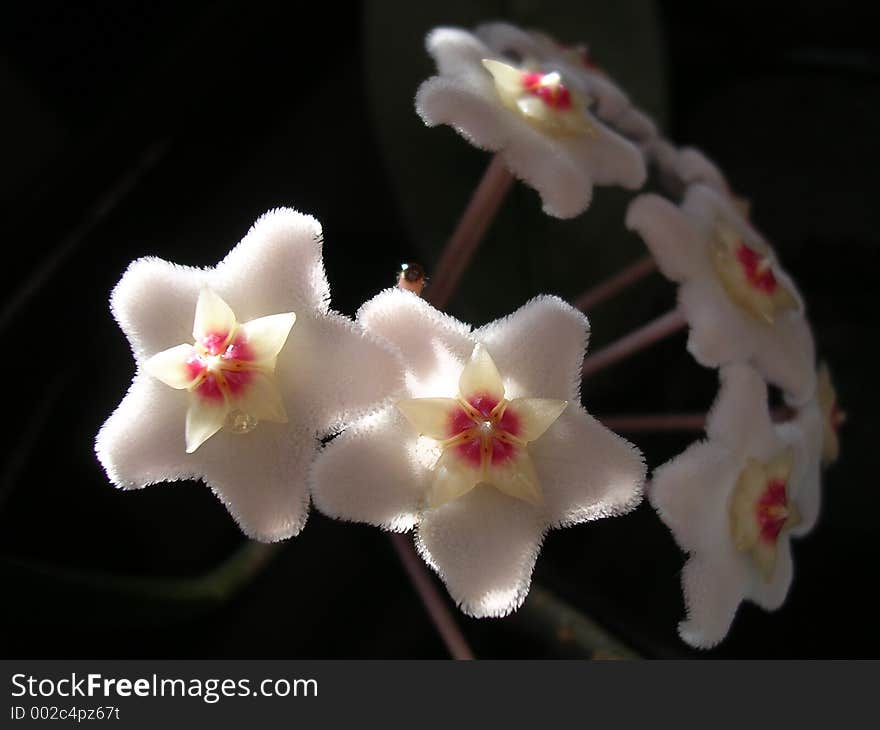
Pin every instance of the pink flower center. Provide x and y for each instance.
(757, 269)
(772, 510)
(220, 367)
(485, 431)
(552, 92)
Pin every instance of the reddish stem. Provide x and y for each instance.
(618, 282)
(677, 421)
(656, 422)
(663, 326)
(472, 226)
(437, 609)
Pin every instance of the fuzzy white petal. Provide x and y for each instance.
(142, 442)
(688, 490)
(608, 158)
(565, 187)
(371, 473)
(635, 124)
(483, 545)
(539, 349)
(721, 333)
(154, 304)
(585, 470)
(805, 433)
(435, 346)
(455, 51)
(332, 372)
(694, 167)
(713, 591)
(261, 476)
(739, 418)
(667, 233)
(510, 42)
(475, 113)
(277, 267)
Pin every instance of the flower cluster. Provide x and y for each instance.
(476, 439)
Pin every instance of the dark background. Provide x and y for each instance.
(165, 128)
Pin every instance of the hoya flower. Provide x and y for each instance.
(740, 305)
(531, 48)
(239, 368)
(540, 125)
(732, 503)
(485, 448)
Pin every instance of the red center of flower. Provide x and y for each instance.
(772, 510)
(757, 269)
(485, 431)
(553, 93)
(219, 367)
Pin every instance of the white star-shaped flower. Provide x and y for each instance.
(240, 368)
(486, 448)
(740, 305)
(732, 503)
(541, 127)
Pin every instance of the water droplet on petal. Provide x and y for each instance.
(241, 422)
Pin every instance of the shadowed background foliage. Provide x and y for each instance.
(164, 128)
